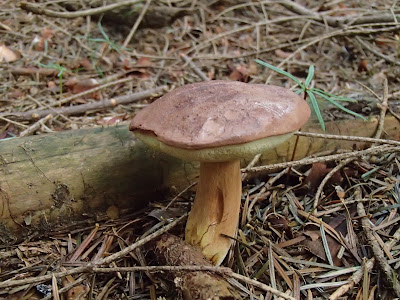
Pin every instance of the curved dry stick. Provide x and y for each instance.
(77, 109)
(308, 161)
(348, 138)
(37, 9)
(328, 176)
(353, 280)
(337, 21)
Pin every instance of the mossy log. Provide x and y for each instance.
(53, 179)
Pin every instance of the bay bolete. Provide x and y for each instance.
(218, 123)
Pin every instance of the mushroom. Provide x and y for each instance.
(218, 123)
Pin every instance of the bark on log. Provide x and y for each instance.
(54, 179)
(172, 251)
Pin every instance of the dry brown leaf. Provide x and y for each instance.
(52, 86)
(78, 292)
(144, 61)
(8, 55)
(363, 66)
(283, 54)
(76, 86)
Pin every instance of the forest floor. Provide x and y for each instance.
(325, 231)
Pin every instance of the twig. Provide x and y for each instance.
(353, 30)
(251, 164)
(35, 126)
(89, 266)
(308, 161)
(77, 109)
(348, 138)
(195, 68)
(336, 21)
(259, 285)
(376, 249)
(328, 176)
(93, 90)
(37, 9)
(12, 122)
(34, 71)
(353, 280)
(137, 23)
(394, 239)
(180, 194)
(376, 52)
(383, 107)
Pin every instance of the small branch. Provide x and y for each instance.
(353, 280)
(78, 109)
(308, 161)
(195, 68)
(348, 138)
(35, 126)
(37, 9)
(370, 48)
(34, 71)
(353, 30)
(336, 21)
(328, 176)
(383, 107)
(93, 90)
(260, 285)
(137, 23)
(376, 249)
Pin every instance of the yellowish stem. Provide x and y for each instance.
(215, 210)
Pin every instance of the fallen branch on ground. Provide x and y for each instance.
(79, 109)
(308, 161)
(374, 17)
(37, 9)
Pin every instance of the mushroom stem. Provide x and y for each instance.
(215, 210)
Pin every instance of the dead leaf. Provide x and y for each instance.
(16, 94)
(144, 62)
(280, 223)
(141, 73)
(8, 55)
(314, 242)
(241, 72)
(317, 173)
(77, 86)
(40, 42)
(52, 86)
(363, 66)
(78, 292)
(283, 54)
(235, 76)
(86, 64)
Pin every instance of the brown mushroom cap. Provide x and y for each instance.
(219, 114)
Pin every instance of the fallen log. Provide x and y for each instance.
(55, 179)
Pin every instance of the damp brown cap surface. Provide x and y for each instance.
(220, 113)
